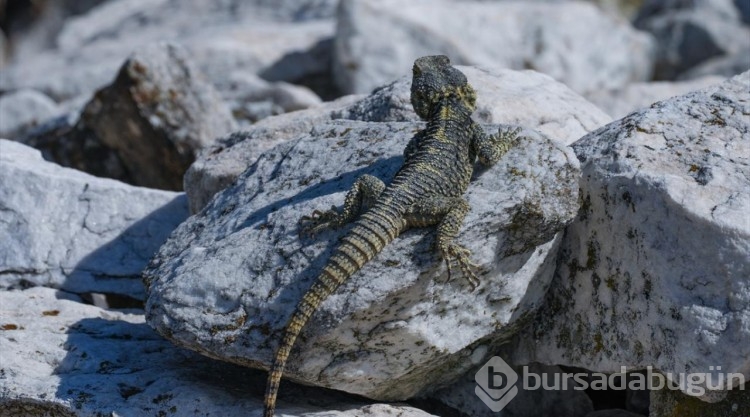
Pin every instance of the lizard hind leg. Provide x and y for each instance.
(448, 213)
(360, 197)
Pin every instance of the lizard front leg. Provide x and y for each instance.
(448, 213)
(490, 148)
(360, 197)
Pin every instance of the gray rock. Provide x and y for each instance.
(574, 42)
(523, 98)
(559, 403)
(691, 32)
(63, 228)
(218, 166)
(64, 76)
(261, 47)
(725, 9)
(245, 92)
(157, 115)
(655, 271)
(23, 109)
(310, 67)
(4, 50)
(33, 27)
(67, 142)
(226, 281)
(726, 66)
(637, 400)
(744, 8)
(619, 102)
(65, 358)
(668, 403)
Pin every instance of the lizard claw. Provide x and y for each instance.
(317, 222)
(508, 134)
(462, 256)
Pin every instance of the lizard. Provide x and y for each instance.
(426, 191)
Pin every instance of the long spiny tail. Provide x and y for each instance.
(366, 239)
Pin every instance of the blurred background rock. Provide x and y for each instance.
(261, 58)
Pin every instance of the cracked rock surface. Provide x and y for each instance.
(66, 229)
(655, 271)
(63, 358)
(227, 280)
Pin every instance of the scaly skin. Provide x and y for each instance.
(427, 190)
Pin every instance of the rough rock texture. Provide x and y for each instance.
(221, 37)
(157, 115)
(691, 32)
(62, 228)
(621, 101)
(24, 109)
(574, 42)
(63, 358)
(217, 167)
(227, 280)
(524, 98)
(655, 271)
(559, 403)
(672, 403)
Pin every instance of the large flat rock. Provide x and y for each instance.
(228, 279)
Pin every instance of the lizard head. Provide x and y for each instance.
(433, 80)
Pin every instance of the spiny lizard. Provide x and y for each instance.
(426, 191)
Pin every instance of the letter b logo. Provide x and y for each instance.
(496, 384)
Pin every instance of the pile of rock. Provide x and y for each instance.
(606, 243)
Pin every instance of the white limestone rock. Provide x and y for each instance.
(23, 109)
(655, 271)
(219, 165)
(525, 98)
(66, 229)
(64, 358)
(574, 42)
(621, 101)
(227, 280)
